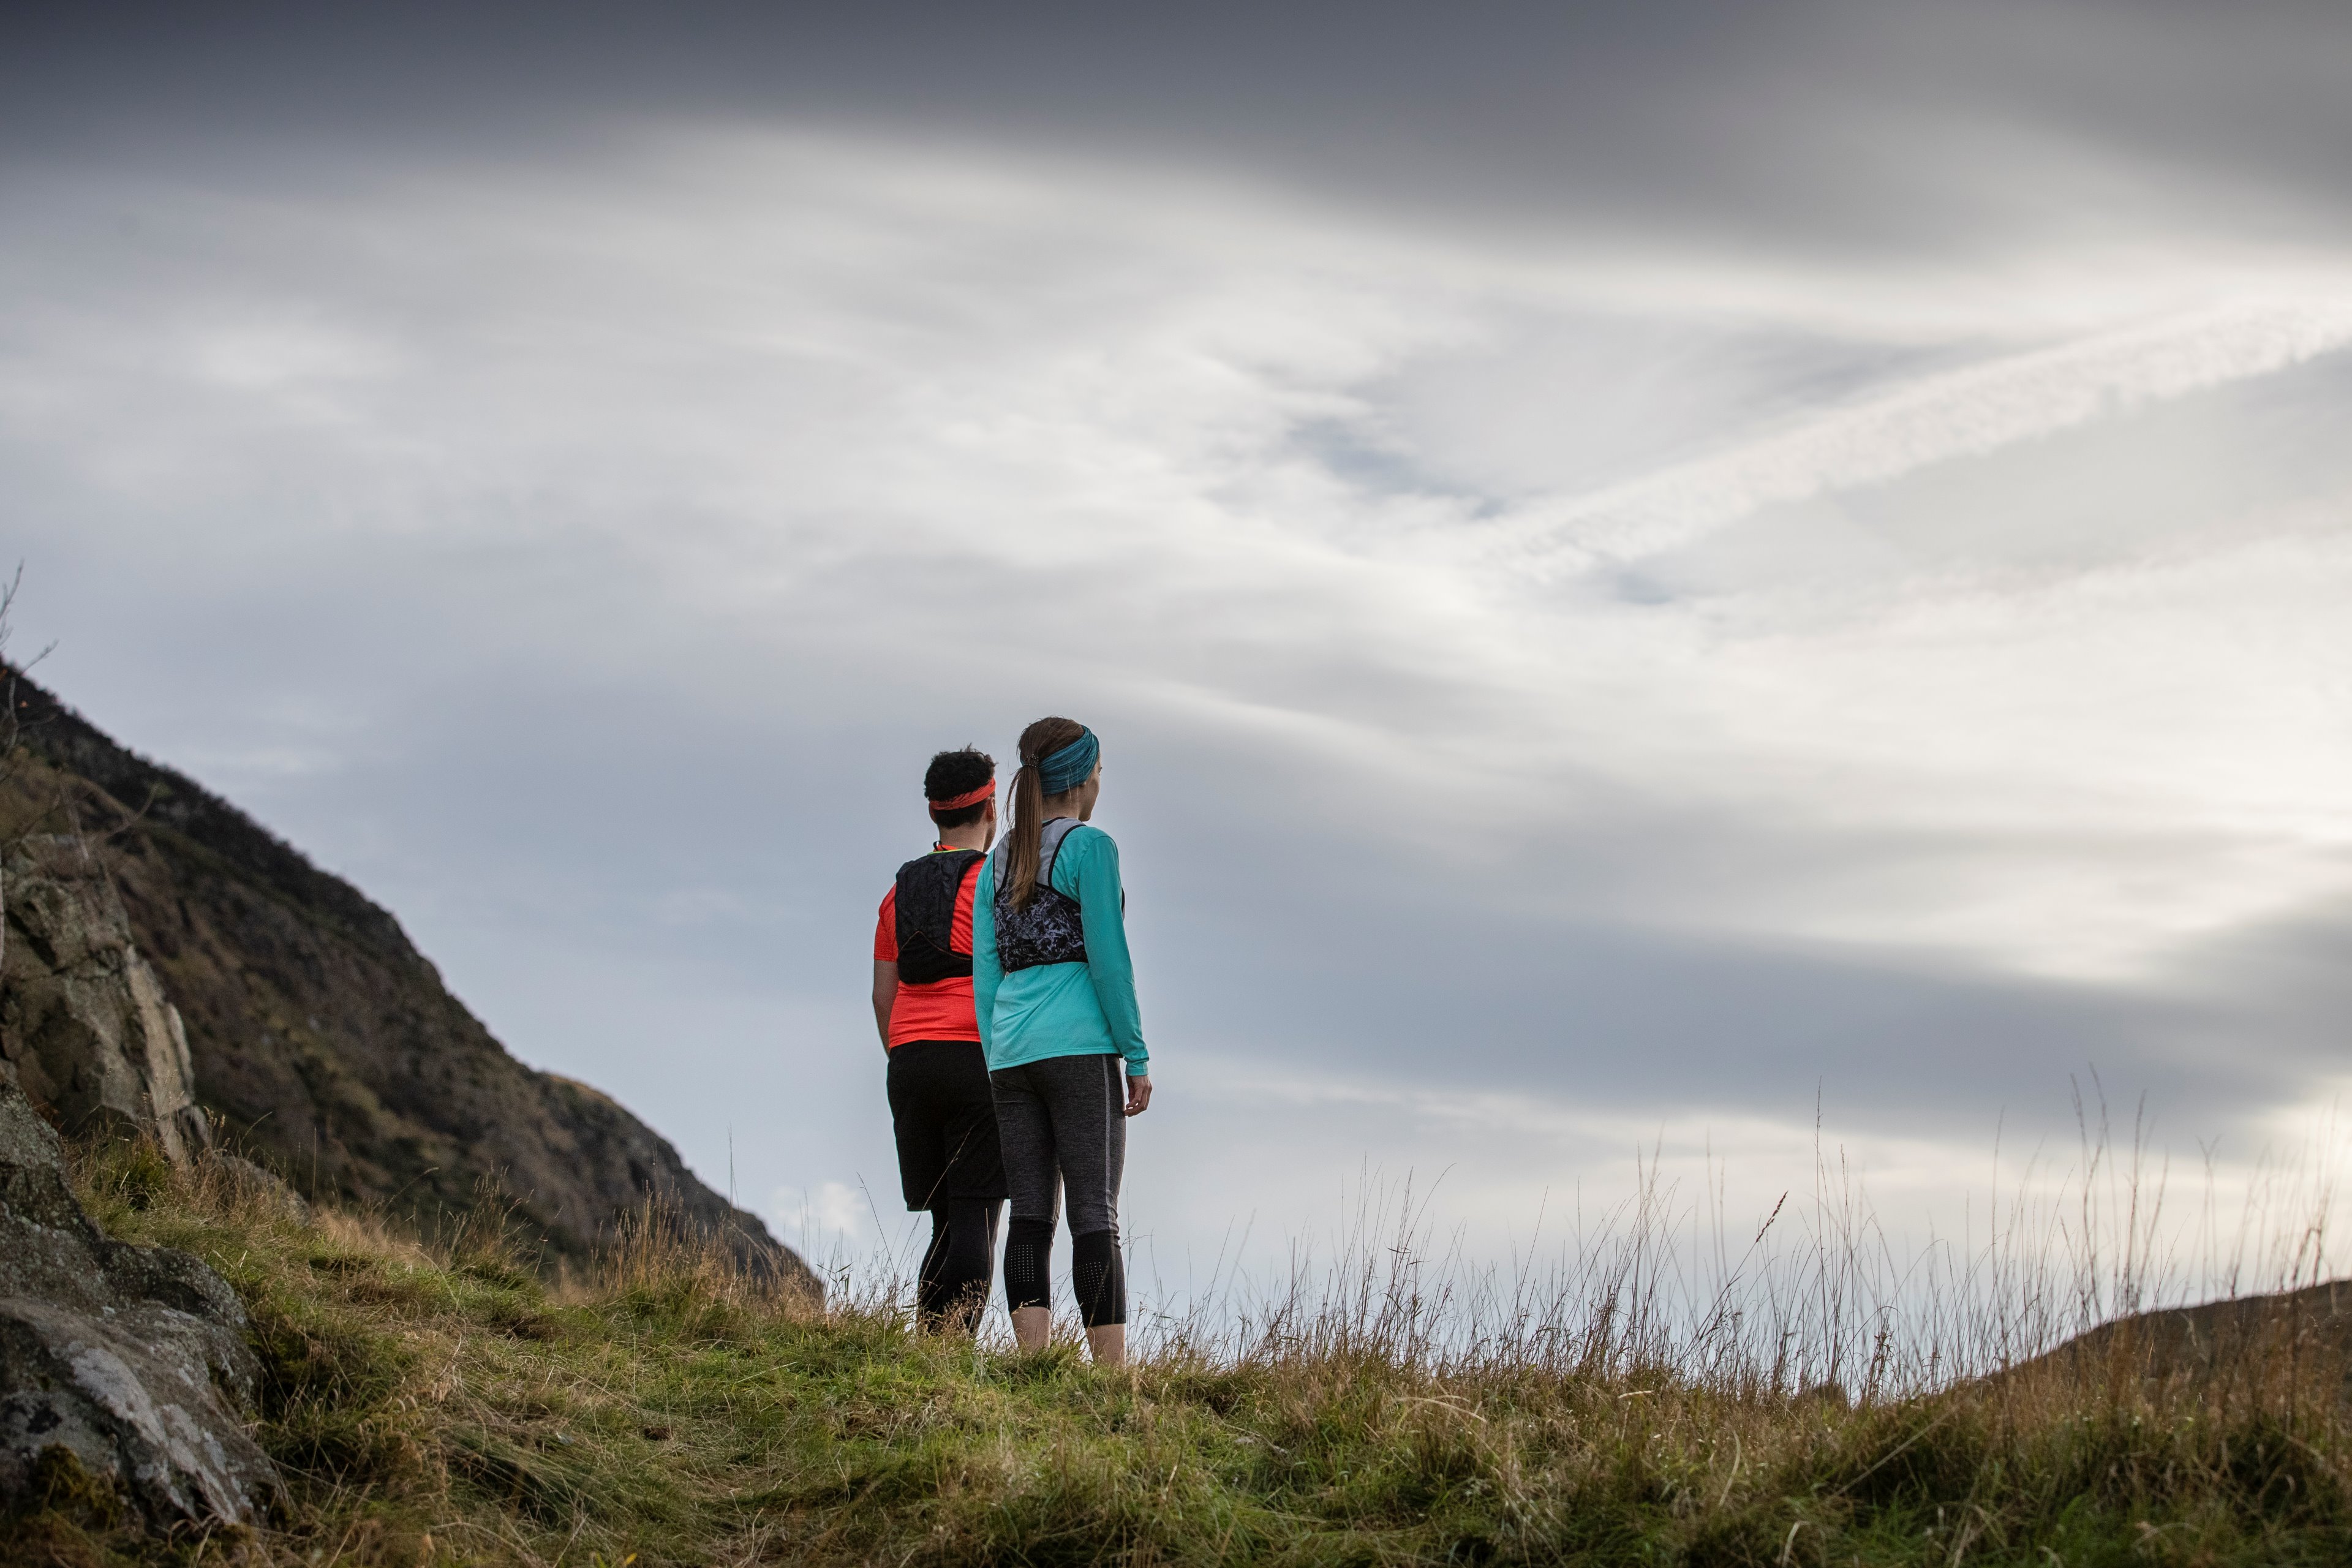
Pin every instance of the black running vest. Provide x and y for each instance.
(927, 889)
(1048, 930)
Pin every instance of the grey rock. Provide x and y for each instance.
(84, 1024)
(133, 1359)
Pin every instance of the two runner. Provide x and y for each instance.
(1022, 954)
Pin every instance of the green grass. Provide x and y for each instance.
(448, 1406)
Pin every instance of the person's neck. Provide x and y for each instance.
(1071, 805)
(971, 836)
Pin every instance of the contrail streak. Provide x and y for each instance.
(1960, 413)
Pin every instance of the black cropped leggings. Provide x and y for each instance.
(1062, 1123)
(951, 1288)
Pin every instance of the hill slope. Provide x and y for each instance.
(320, 1038)
(439, 1406)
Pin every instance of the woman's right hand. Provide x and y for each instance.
(1138, 1093)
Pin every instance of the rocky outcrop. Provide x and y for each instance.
(127, 1359)
(320, 1039)
(83, 1020)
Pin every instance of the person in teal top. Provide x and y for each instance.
(1062, 1009)
(1054, 996)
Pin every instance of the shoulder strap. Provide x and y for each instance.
(1049, 846)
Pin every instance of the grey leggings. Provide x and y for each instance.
(1062, 1123)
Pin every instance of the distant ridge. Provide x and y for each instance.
(322, 1040)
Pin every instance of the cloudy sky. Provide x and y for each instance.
(1654, 582)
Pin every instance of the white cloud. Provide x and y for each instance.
(798, 449)
(745, 364)
(821, 1220)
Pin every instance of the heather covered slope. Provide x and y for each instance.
(321, 1039)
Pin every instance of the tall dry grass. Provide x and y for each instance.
(1810, 1291)
(1667, 1385)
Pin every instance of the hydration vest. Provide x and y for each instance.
(1048, 930)
(928, 890)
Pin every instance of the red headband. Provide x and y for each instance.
(970, 797)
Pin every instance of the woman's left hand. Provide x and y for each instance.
(1138, 1093)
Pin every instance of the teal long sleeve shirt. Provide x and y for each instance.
(1062, 1009)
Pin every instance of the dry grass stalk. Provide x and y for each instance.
(1645, 1398)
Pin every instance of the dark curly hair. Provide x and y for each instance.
(953, 774)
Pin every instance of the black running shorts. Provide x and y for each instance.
(945, 1119)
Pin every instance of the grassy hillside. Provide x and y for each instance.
(448, 1407)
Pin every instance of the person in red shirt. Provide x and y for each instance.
(941, 1110)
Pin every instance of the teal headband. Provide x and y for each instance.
(1058, 771)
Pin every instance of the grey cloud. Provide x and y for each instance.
(1354, 960)
(526, 813)
(1824, 125)
(599, 621)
